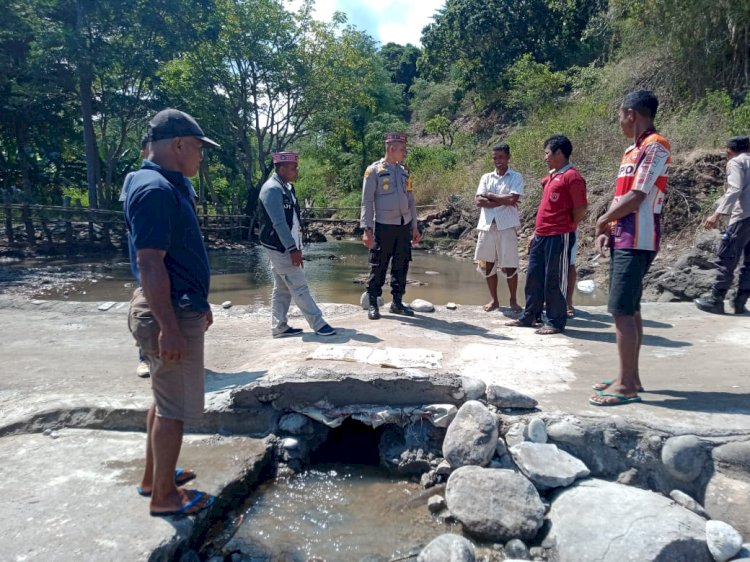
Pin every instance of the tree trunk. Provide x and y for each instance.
(87, 110)
(28, 192)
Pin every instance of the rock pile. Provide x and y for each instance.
(514, 489)
(534, 486)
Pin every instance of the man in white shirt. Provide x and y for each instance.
(497, 245)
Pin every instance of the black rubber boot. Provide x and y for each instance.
(713, 303)
(398, 307)
(739, 302)
(373, 313)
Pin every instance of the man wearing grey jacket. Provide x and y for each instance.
(735, 241)
(280, 235)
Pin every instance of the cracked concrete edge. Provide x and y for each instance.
(214, 529)
(256, 422)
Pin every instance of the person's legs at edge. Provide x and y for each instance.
(534, 288)
(379, 257)
(629, 330)
(508, 263)
(743, 286)
(281, 298)
(555, 280)
(178, 389)
(166, 442)
(297, 285)
(511, 275)
(572, 278)
(147, 482)
(491, 279)
(400, 267)
(627, 269)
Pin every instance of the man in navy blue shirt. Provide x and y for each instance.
(169, 312)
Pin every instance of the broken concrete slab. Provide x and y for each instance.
(72, 494)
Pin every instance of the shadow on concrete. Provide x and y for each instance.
(452, 328)
(216, 381)
(343, 335)
(600, 320)
(698, 401)
(610, 337)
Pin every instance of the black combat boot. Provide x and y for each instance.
(373, 313)
(739, 301)
(713, 303)
(398, 307)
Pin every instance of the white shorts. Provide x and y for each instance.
(497, 246)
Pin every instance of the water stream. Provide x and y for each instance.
(243, 276)
(337, 513)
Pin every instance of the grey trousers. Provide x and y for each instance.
(289, 284)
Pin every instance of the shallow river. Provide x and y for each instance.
(243, 277)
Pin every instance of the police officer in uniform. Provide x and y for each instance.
(389, 220)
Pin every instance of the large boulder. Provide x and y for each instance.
(471, 437)
(684, 457)
(728, 499)
(494, 504)
(448, 548)
(546, 465)
(598, 521)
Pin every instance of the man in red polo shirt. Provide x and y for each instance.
(562, 207)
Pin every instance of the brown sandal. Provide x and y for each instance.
(547, 331)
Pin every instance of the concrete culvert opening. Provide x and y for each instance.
(352, 492)
(351, 443)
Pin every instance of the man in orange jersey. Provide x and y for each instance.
(631, 230)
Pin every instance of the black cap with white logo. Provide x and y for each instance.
(171, 123)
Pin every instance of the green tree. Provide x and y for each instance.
(686, 46)
(479, 39)
(269, 77)
(440, 125)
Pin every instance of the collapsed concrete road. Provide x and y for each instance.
(69, 381)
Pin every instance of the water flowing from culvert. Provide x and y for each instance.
(243, 276)
(337, 513)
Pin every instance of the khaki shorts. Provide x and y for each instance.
(178, 386)
(497, 246)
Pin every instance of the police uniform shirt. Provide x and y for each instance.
(387, 196)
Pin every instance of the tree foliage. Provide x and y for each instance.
(479, 39)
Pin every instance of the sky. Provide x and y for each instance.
(396, 21)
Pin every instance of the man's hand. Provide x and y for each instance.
(209, 319)
(602, 227)
(712, 221)
(528, 242)
(415, 236)
(172, 344)
(368, 239)
(296, 256)
(602, 244)
(482, 201)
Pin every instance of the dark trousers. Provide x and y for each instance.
(392, 244)
(547, 278)
(734, 246)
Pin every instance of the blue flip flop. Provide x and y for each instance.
(186, 509)
(622, 400)
(180, 479)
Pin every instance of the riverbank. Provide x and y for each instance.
(73, 409)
